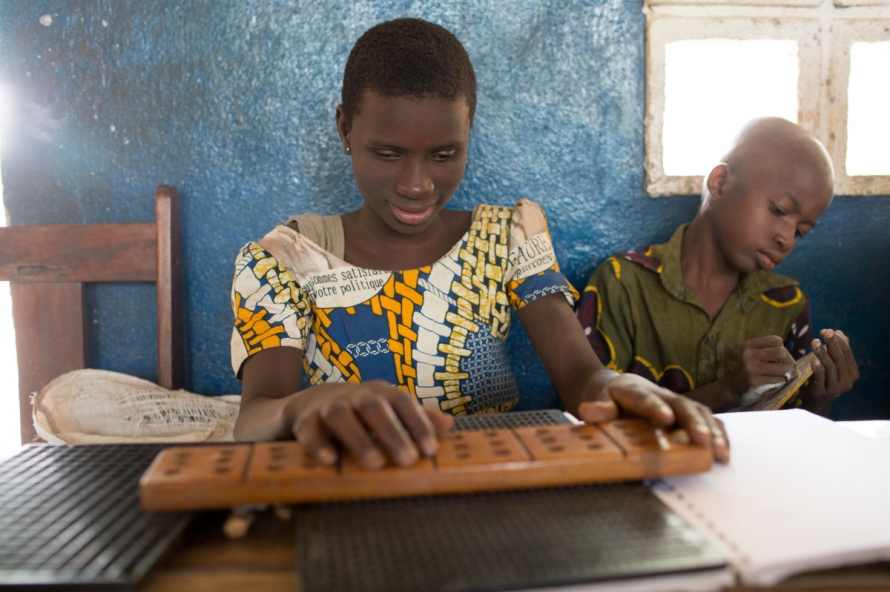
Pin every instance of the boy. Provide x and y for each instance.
(702, 314)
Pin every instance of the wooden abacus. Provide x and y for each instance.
(205, 477)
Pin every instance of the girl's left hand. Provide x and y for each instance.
(632, 395)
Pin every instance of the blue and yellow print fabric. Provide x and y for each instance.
(437, 332)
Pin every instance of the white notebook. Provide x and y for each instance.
(801, 493)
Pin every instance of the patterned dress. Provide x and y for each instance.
(437, 332)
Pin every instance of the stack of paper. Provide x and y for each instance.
(801, 493)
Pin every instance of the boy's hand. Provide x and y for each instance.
(629, 394)
(372, 420)
(764, 365)
(834, 371)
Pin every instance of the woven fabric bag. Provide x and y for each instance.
(102, 407)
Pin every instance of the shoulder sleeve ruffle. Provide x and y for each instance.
(271, 310)
(532, 269)
(605, 312)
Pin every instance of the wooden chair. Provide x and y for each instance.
(48, 265)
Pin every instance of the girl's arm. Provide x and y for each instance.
(273, 408)
(594, 393)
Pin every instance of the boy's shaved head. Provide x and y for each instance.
(772, 142)
(769, 191)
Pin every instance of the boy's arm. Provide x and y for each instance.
(595, 393)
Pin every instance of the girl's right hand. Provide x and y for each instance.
(372, 421)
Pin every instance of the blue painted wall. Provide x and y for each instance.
(233, 102)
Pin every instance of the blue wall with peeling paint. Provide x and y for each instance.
(233, 100)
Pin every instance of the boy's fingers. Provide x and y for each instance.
(835, 347)
(774, 355)
(830, 370)
(763, 342)
(316, 439)
(843, 336)
(852, 366)
(840, 351)
(770, 369)
(818, 380)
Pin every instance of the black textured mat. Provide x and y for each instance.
(70, 517)
(497, 541)
(516, 419)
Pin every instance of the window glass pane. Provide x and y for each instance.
(713, 87)
(868, 110)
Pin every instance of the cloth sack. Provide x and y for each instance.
(102, 407)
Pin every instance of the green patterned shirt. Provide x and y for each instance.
(640, 316)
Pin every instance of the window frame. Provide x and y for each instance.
(824, 30)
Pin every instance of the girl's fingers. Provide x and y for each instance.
(719, 439)
(375, 410)
(597, 411)
(702, 427)
(416, 421)
(692, 418)
(316, 439)
(637, 396)
(441, 422)
(340, 419)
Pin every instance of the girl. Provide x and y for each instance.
(399, 310)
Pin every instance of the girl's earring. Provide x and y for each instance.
(348, 150)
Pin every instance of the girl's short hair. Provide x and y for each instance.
(408, 57)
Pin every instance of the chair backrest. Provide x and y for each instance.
(48, 265)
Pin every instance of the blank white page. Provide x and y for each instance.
(800, 493)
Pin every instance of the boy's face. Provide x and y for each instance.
(408, 156)
(761, 213)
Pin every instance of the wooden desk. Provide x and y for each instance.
(265, 561)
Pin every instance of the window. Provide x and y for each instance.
(714, 65)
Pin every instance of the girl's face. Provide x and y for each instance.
(408, 156)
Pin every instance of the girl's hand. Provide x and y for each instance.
(632, 395)
(372, 421)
